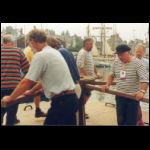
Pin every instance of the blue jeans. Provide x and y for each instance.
(11, 111)
(63, 111)
(127, 111)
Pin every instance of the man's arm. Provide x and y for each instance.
(140, 94)
(83, 72)
(144, 81)
(143, 86)
(95, 70)
(23, 86)
(96, 73)
(109, 82)
(81, 64)
(36, 88)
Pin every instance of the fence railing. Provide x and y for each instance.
(95, 85)
(85, 83)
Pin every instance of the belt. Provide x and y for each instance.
(64, 93)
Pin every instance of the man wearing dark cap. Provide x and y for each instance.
(131, 77)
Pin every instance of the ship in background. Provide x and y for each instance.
(102, 51)
(107, 40)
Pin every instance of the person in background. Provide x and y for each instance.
(13, 62)
(140, 53)
(132, 78)
(86, 64)
(57, 44)
(29, 53)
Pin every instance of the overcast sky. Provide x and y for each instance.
(127, 31)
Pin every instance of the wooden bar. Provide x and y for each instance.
(117, 93)
(98, 82)
(20, 99)
(89, 80)
(84, 83)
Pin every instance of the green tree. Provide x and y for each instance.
(11, 30)
(76, 43)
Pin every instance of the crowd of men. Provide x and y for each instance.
(47, 66)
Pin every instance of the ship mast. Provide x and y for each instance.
(103, 36)
(88, 30)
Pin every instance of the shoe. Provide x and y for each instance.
(39, 113)
(17, 121)
(87, 116)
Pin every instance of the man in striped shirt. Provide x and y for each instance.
(13, 61)
(86, 64)
(140, 52)
(131, 77)
(85, 60)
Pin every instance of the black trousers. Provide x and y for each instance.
(127, 111)
(63, 111)
(11, 111)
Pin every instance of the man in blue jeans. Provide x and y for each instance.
(49, 66)
(131, 77)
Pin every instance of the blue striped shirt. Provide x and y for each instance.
(135, 74)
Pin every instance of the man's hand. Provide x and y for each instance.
(6, 100)
(139, 95)
(105, 88)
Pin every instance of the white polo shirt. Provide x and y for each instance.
(50, 67)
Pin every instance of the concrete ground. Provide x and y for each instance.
(99, 114)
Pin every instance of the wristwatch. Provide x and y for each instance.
(143, 91)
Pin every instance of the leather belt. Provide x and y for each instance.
(64, 93)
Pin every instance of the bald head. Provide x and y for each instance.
(7, 38)
(140, 51)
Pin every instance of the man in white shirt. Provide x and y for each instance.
(50, 67)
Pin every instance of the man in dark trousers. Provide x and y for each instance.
(50, 68)
(132, 77)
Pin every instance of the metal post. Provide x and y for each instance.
(82, 121)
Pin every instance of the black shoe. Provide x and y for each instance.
(39, 113)
(87, 116)
(17, 121)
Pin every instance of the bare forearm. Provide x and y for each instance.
(83, 72)
(95, 70)
(23, 86)
(143, 86)
(110, 80)
(37, 87)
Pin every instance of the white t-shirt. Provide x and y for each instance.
(50, 67)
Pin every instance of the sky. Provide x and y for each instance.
(127, 31)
